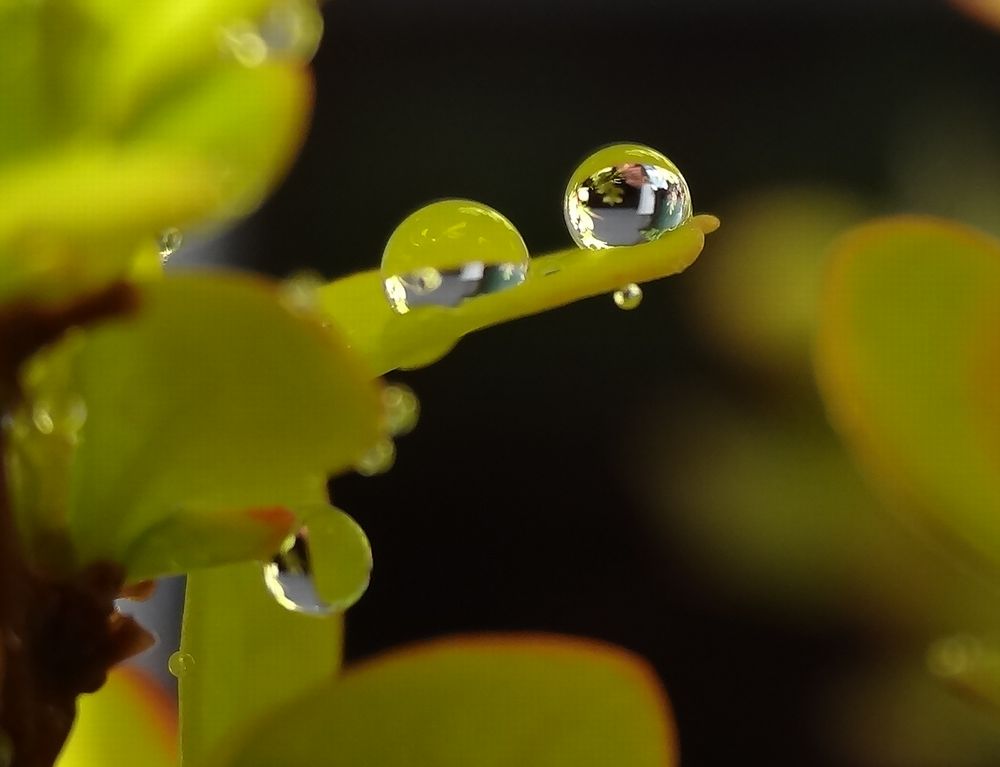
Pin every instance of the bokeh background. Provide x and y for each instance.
(663, 479)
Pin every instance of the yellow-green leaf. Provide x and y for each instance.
(389, 340)
(129, 721)
(246, 656)
(488, 701)
(907, 362)
(213, 399)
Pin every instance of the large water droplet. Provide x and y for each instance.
(402, 409)
(181, 664)
(628, 297)
(168, 242)
(450, 251)
(625, 194)
(292, 29)
(329, 585)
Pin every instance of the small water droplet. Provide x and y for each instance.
(242, 40)
(181, 664)
(628, 297)
(451, 251)
(625, 194)
(378, 460)
(42, 419)
(292, 29)
(402, 409)
(289, 578)
(168, 242)
(300, 293)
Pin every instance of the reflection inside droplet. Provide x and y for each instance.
(42, 419)
(628, 297)
(168, 242)
(625, 194)
(449, 252)
(180, 664)
(289, 578)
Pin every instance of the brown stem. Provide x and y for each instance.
(58, 638)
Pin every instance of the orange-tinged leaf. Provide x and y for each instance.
(129, 721)
(906, 362)
(478, 701)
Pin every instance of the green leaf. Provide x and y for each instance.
(130, 720)
(388, 340)
(909, 364)
(212, 400)
(74, 220)
(247, 123)
(248, 656)
(533, 701)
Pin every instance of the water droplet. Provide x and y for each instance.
(42, 419)
(168, 242)
(450, 251)
(625, 194)
(300, 293)
(402, 409)
(181, 664)
(378, 460)
(628, 297)
(242, 40)
(331, 585)
(292, 29)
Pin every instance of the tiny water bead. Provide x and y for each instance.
(402, 409)
(168, 242)
(450, 251)
(333, 583)
(625, 194)
(628, 297)
(180, 664)
(292, 29)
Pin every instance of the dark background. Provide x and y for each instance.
(510, 507)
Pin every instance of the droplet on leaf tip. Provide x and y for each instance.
(625, 194)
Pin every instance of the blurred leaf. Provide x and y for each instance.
(249, 123)
(388, 340)
(212, 399)
(770, 502)
(73, 220)
(533, 701)
(756, 299)
(129, 721)
(985, 11)
(908, 364)
(248, 656)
